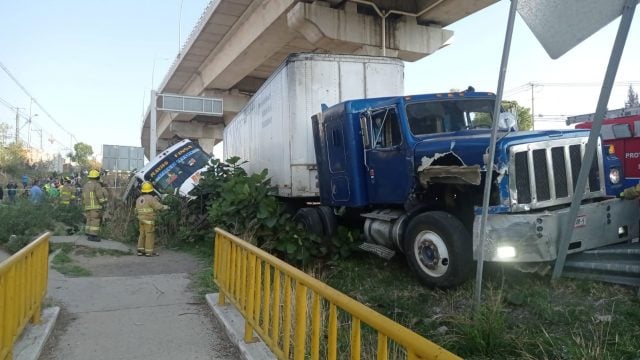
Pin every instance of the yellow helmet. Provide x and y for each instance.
(146, 187)
(94, 174)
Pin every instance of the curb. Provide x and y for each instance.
(233, 323)
(31, 343)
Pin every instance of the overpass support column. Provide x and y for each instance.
(206, 135)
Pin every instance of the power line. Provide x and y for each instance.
(527, 86)
(35, 100)
(15, 110)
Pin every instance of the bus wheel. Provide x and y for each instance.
(309, 219)
(438, 249)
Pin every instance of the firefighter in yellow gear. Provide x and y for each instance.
(67, 192)
(146, 207)
(94, 198)
(631, 192)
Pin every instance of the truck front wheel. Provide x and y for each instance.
(438, 249)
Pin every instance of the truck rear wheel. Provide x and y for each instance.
(438, 249)
(310, 220)
(329, 222)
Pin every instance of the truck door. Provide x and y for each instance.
(388, 177)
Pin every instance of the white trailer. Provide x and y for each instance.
(273, 131)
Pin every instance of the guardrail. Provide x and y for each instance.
(274, 298)
(23, 284)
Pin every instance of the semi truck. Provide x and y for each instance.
(413, 168)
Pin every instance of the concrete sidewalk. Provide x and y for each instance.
(4, 255)
(132, 315)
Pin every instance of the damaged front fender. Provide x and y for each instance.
(450, 169)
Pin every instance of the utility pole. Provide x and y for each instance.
(39, 131)
(17, 124)
(533, 113)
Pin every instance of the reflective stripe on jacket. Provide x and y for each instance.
(66, 194)
(146, 207)
(93, 195)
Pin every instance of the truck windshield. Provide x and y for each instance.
(172, 171)
(432, 117)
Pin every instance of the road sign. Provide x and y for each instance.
(123, 158)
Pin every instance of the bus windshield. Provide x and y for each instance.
(174, 169)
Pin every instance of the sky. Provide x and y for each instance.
(90, 65)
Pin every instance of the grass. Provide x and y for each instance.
(202, 280)
(522, 316)
(202, 283)
(64, 264)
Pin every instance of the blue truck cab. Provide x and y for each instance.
(414, 168)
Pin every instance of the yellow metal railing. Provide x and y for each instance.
(23, 284)
(279, 301)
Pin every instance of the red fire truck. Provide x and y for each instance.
(621, 128)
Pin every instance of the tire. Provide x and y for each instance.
(439, 249)
(309, 219)
(329, 221)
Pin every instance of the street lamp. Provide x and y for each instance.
(29, 127)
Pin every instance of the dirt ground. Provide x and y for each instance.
(169, 262)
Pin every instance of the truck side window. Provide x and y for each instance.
(621, 131)
(386, 129)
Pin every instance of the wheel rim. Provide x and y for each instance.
(431, 253)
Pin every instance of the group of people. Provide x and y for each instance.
(12, 192)
(95, 198)
(58, 190)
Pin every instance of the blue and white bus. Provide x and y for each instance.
(176, 170)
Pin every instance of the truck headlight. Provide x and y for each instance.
(505, 252)
(614, 175)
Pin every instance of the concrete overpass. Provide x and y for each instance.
(237, 44)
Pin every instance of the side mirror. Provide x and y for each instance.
(507, 122)
(364, 131)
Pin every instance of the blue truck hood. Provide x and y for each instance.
(470, 145)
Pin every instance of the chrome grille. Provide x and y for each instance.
(545, 173)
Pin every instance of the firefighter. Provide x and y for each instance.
(631, 192)
(94, 198)
(146, 207)
(67, 192)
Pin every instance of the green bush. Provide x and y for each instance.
(26, 220)
(229, 198)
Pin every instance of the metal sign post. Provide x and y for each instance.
(612, 68)
(153, 132)
(492, 153)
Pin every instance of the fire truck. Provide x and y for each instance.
(621, 130)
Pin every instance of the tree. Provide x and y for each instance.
(81, 154)
(13, 158)
(632, 98)
(522, 113)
